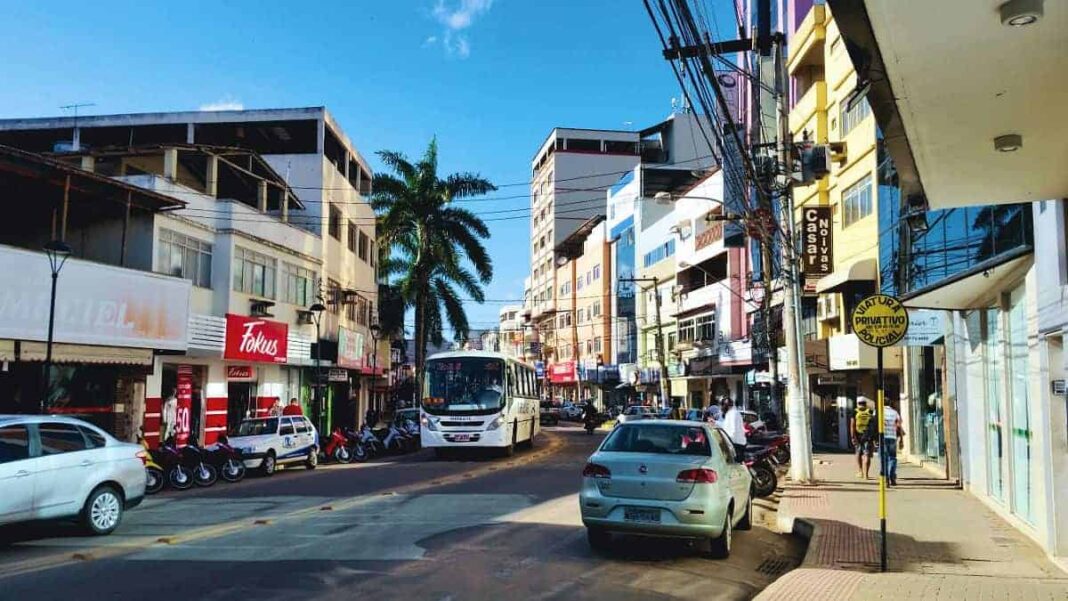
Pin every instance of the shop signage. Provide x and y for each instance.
(350, 352)
(95, 304)
(817, 245)
(880, 320)
(562, 373)
(256, 339)
(539, 369)
(830, 379)
(926, 328)
(240, 372)
(337, 375)
(184, 409)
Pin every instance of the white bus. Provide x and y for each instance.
(478, 399)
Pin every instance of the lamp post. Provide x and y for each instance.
(58, 251)
(375, 331)
(317, 399)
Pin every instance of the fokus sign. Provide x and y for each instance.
(255, 339)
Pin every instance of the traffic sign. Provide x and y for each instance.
(880, 320)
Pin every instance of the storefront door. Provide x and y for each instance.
(1019, 406)
(995, 444)
(241, 402)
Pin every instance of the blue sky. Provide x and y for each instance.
(489, 78)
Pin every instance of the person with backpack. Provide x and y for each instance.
(861, 428)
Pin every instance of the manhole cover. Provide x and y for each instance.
(773, 566)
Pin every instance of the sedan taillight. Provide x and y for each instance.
(594, 470)
(698, 476)
(143, 456)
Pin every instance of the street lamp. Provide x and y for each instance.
(375, 331)
(58, 251)
(317, 313)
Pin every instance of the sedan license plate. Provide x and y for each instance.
(641, 514)
(461, 437)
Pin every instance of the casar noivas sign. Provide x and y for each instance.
(880, 320)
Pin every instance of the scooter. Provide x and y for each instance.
(364, 443)
(170, 459)
(393, 440)
(154, 477)
(227, 460)
(193, 458)
(765, 479)
(337, 447)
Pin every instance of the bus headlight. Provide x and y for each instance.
(495, 423)
(429, 423)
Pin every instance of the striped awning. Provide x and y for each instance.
(84, 353)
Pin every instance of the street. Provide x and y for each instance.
(412, 527)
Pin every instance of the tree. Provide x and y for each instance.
(429, 244)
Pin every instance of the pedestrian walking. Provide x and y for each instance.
(893, 439)
(860, 435)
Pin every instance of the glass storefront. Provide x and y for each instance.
(925, 368)
(1019, 407)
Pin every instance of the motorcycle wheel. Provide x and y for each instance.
(154, 480)
(233, 470)
(205, 475)
(342, 454)
(764, 480)
(360, 454)
(180, 478)
(782, 455)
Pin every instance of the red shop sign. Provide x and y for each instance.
(240, 372)
(563, 372)
(256, 339)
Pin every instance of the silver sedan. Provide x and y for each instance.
(668, 478)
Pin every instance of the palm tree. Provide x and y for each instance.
(429, 243)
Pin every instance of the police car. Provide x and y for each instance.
(268, 442)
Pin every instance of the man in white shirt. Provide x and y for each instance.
(734, 426)
(893, 439)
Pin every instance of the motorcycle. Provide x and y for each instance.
(193, 458)
(765, 479)
(227, 460)
(169, 458)
(364, 443)
(590, 422)
(154, 476)
(393, 439)
(337, 447)
(778, 442)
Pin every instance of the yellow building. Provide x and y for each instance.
(840, 367)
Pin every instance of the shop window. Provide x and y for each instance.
(184, 257)
(254, 273)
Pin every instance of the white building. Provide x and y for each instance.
(510, 331)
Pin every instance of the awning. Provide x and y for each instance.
(972, 289)
(7, 350)
(862, 272)
(83, 353)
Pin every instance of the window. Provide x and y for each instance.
(372, 248)
(596, 272)
(185, 257)
(353, 230)
(96, 439)
(659, 253)
(300, 426)
(333, 296)
(852, 118)
(686, 330)
(589, 347)
(582, 145)
(856, 202)
(298, 285)
(14, 443)
(705, 328)
(596, 309)
(365, 247)
(254, 273)
(334, 224)
(578, 285)
(57, 438)
(597, 344)
(672, 341)
(287, 428)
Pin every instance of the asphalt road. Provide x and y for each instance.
(411, 528)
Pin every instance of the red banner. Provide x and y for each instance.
(562, 373)
(256, 339)
(185, 404)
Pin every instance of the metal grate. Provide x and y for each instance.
(773, 566)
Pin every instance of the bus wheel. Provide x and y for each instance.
(510, 449)
(529, 442)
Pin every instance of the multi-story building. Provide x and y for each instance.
(510, 331)
(276, 222)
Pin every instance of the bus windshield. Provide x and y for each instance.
(464, 384)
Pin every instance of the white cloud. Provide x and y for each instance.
(226, 103)
(456, 17)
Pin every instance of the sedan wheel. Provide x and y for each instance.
(720, 547)
(103, 511)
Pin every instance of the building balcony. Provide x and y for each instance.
(811, 105)
(806, 46)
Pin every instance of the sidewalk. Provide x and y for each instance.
(943, 543)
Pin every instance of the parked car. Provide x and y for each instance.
(571, 412)
(664, 413)
(63, 468)
(668, 478)
(635, 412)
(694, 415)
(269, 441)
(549, 414)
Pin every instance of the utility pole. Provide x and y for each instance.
(661, 355)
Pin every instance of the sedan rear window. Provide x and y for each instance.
(14, 443)
(659, 438)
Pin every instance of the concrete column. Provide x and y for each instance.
(170, 163)
(285, 206)
(211, 177)
(189, 135)
(88, 163)
(262, 196)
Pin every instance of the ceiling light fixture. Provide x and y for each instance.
(1021, 13)
(1008, 143)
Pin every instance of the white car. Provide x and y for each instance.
(60, 468)
(267, 442)
(666, 478)
(635, 412)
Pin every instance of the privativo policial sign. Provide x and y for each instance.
(880, 320)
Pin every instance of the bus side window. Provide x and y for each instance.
(532, 387)
(511, 380)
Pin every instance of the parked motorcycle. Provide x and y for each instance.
(227, 460)
(337, 447)
(169, 458)
(393, 439)
(765, 478)
(194, 458)
(154, 475)
(778, 442)
(362, 449)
